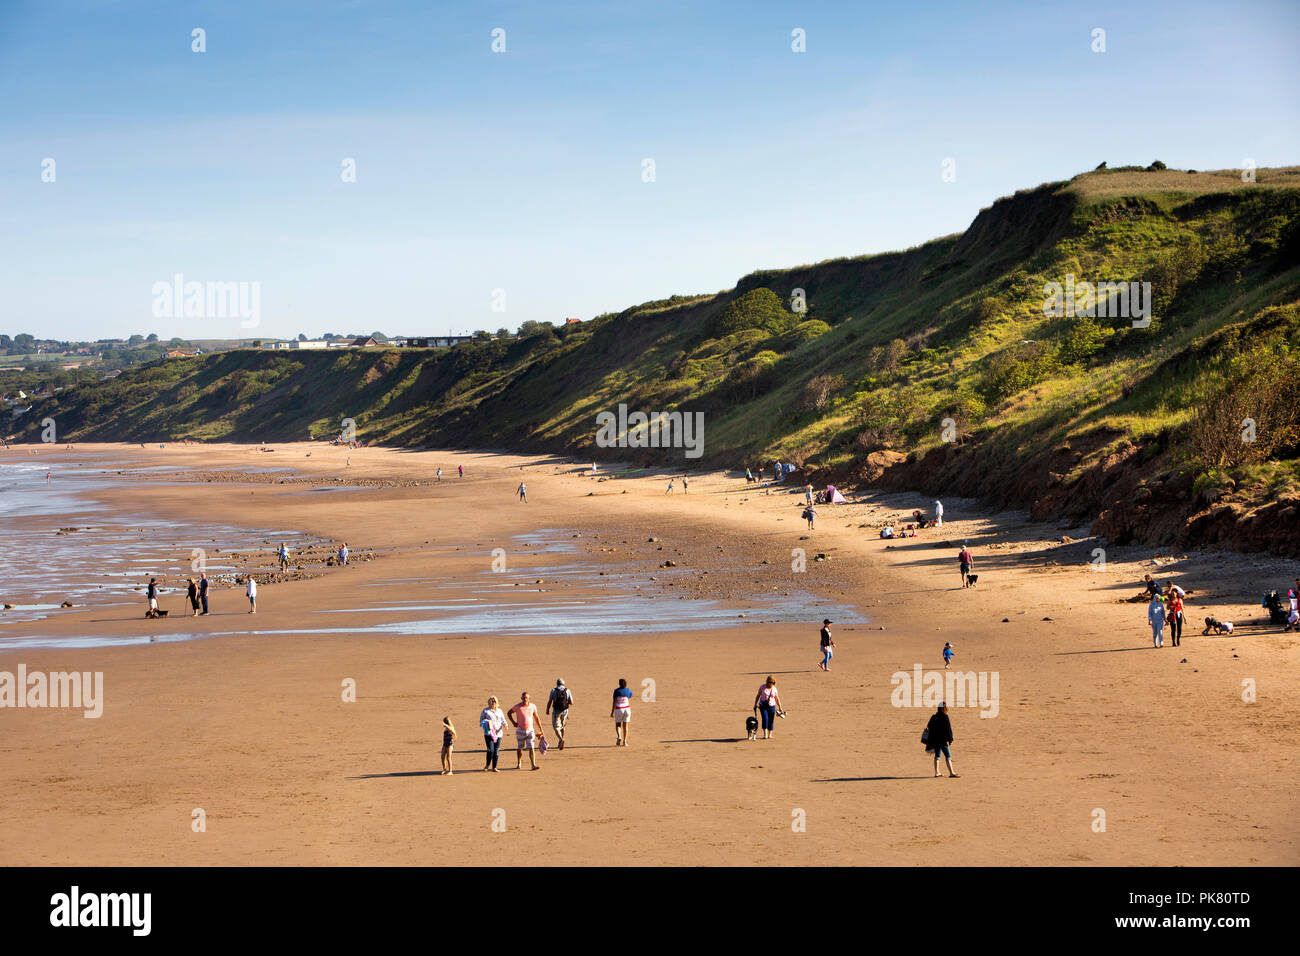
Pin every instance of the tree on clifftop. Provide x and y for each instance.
(757, 309)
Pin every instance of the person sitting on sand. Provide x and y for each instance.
(448, 741)
(1217, 626)
(1152, 588)
(887, 531)
(938, 737)
(1293, 621)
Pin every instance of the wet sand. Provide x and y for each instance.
(251, 727)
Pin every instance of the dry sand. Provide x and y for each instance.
(252, 728)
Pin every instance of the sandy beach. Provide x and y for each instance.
(242, 717)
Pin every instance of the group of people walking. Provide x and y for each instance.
(1166, 607)
(526, 722)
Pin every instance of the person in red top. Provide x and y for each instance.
(965, 560)
(525, 719)
(1175, 617)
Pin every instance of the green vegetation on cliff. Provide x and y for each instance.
(894, 353)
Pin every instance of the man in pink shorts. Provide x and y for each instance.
(524, 718)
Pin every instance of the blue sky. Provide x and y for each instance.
(522, 170)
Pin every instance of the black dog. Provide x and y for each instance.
(971, 579)
(751, 725)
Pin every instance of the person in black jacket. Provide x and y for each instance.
(192, 592)
(940, 736)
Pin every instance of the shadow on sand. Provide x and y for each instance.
(868, 779)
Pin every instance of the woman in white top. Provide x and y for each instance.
(252, 594)
(493, 722)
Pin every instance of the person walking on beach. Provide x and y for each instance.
(1175, 619)
(460, 469)
(448, 741)
(192, 593)
(964, 560)
(343, 553)
(522, 491)
(557, 705)
(621, 711)
(251, 591)
(937, 738)
(938, 513)
(947, 654)
(440, 474)
(808, 495)
(767, 702)
(1156, 618)
(827, 645)
(524, 718)
(686, 485)
(203, 591)
(152, 595)
(284, 556)
(810, 514)
(670, 487)
(493, 722)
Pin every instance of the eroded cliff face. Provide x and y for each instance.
(1125, 496)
